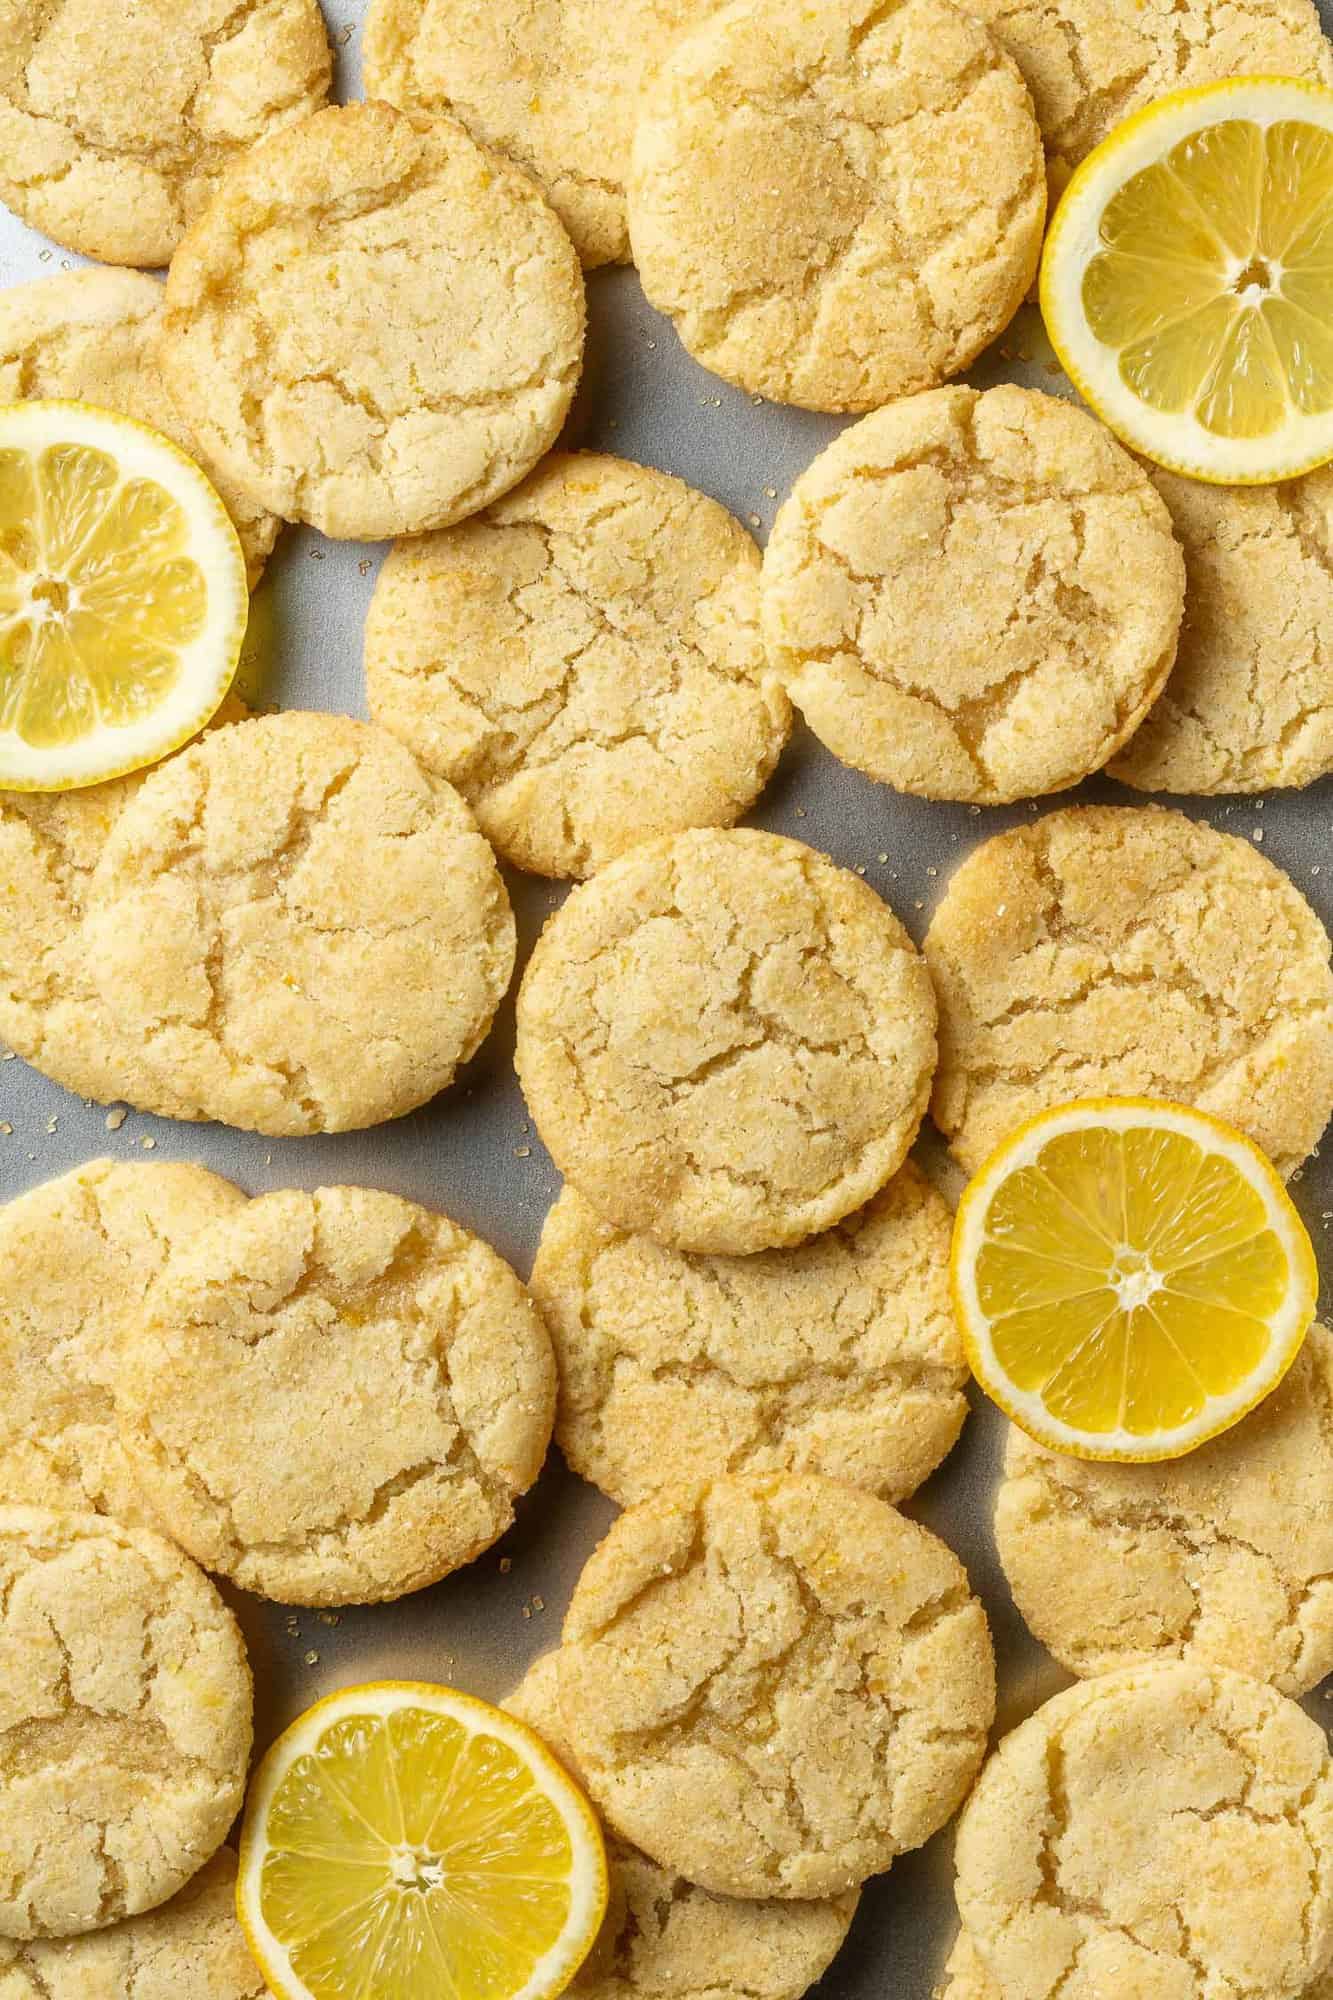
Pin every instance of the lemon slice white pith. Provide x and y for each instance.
(1187, 280)
(410, 1841)
(123, 597)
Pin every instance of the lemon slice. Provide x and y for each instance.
(1130, 1278)
(123, 597)
(1187, 280)
(412, 1843)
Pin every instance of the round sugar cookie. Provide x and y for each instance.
(836, 204)
(301, 929)
(336, 1398)
(726, 1041)
(974, 595)
(1164, 1830)
(1124, 952)
(775, 1687)
(1249, 704)
(1224, 1556)
(557, 88)
(125, 1721)
(78, 1256)
(583, 662)
(377, 327)
(192, 1948)
(91, 337)
(665, 1939)
(117, 123)
(840, 1357)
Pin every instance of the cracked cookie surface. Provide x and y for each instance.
(838, 204)
(665, 1939)
(1090, 63)
(776, 1687)
(124, 1722)
(556, 88)
(91, 337)
(192, 1948)
(1129, 951)
(336, 1397)
(299, 928)
(1223, 1556)
(78, 1257)
(583, 662)
(973, 595)
(840, 1357)
(726, 1041)
(117, 123)
(1249, 704)
(1166, 1832)
(377, 327)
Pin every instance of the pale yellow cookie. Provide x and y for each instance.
(974, 595)
(1165, 1832)
(91, 337)
(1091, 63)
(840, 1357)
(50, 1011)
(1129, 951)
(1224, 1556)
(124, 1721)
(583, 661)
(777, 1687)
(192, 1948)
(836, 204)
(665, 1939)
(1249, 704)
(117, 122)
(336, 1398)
(78, 1256)
(377, 327)
(726, 1041)
(556, 86)
(301, 929)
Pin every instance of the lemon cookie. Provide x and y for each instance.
(726, 1041)
(840, 1357)
(301, 929)
(1249, 704)
(974, 595)
(775, 1688)
(1129, 951)
(116, 124)
(583, 661)
(377, 327)
(1163, 1831)
(1223, 1556)
(557, 88)
(192, 1948)
(91, 337)
(665, 1939)
(124, 1724)
(336, 1398)
(1091, 63)
(838, 204)
(78, 1256)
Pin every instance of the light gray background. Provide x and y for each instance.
(474, 1155)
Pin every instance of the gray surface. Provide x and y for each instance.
(473, 1153)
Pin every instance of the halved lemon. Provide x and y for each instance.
(1130, 1278)
(408, 1842)
(1187, 280)
(123, 597)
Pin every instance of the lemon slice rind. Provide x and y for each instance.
(208, 662)
(1288, 1327)
(1173, 440)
